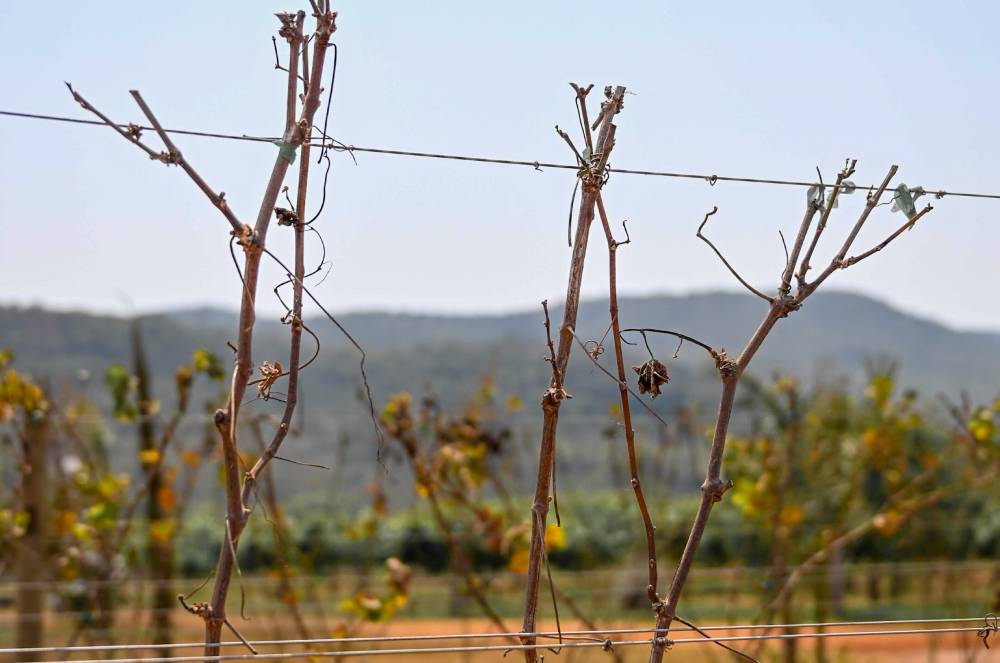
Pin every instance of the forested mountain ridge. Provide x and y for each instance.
(831, 338)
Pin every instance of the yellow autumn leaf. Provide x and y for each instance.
(982, 427)
(149, 456)
(519, 561)
(555, 537)
(166, 498)
(190, 458)
(110, 486)
(887, 523)
(83, 532)
(162, 530)
(791, 516)
(65, 521)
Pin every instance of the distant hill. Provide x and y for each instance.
(832, 337)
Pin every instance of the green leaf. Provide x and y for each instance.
(119, 383)
(207, 363)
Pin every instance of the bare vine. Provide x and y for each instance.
(592, 175)
(300, 111)
(730, 370)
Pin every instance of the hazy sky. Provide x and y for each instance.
(733, 88)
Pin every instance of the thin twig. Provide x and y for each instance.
(884, 243)
(721, 644)
(557, 383)
(218, 199)
(239, 635)
(299, 462)
(874, 197)
(842, 176)
(723, 258)
(134, 133)
(611, 375)
(690, 339)
(357, 346)
(626, 410)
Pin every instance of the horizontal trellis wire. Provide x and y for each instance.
(537, 165)
(540, 634)
(604, 644)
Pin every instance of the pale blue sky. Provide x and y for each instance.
(766, 89)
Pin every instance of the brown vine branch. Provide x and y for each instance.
(171, 156)
(557, 384)
(884, 243)
(218, 199)
(556, 375)
(792, 259)
(842, 176)
(684, 337)
(730, 372)
(591, 179)
(581, 106)
(873, 199)
(633, 463)
(133, 134)
(569, 141)
(723, 258)
(296, 134)
(357, 346)
(706, 634)
(239, 636)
